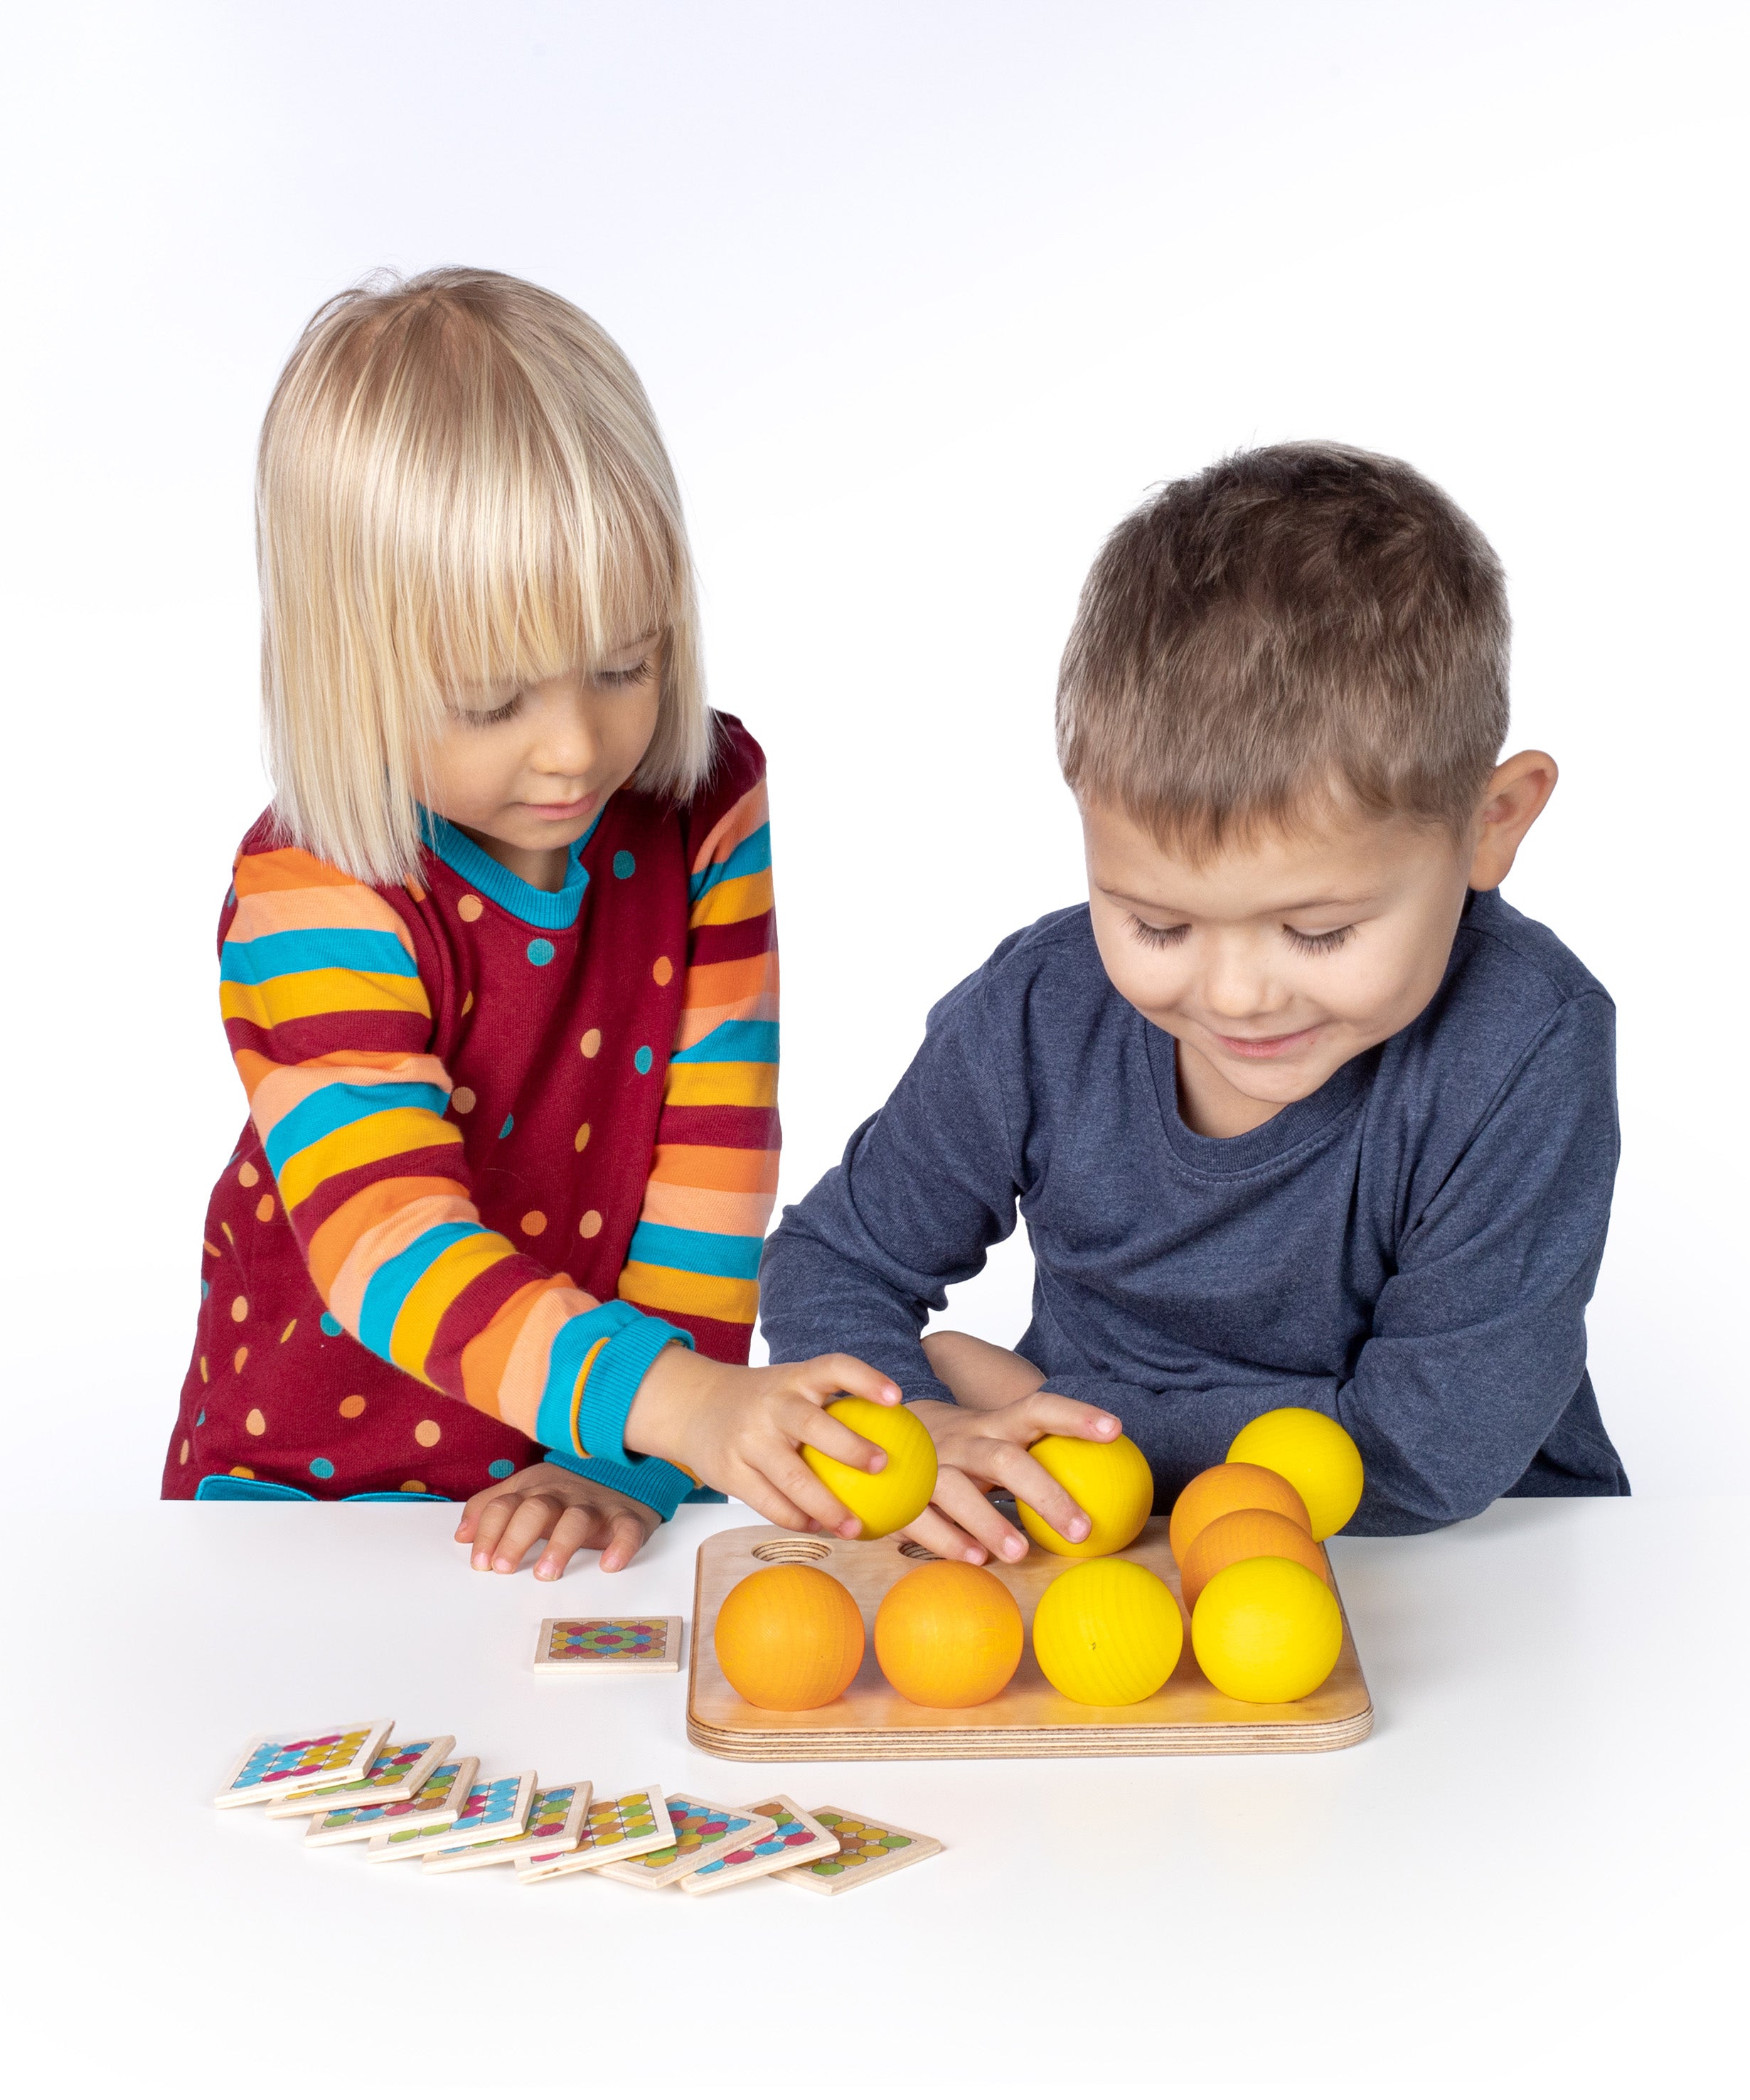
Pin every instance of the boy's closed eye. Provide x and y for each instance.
(1309, 944)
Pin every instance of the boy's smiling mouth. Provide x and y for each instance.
(1266, 1046)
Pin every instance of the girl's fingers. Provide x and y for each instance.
(759, 1494)
(965, 1503)
(1050, 1414)
(794, 1479)
(1029, 1482)
(821, 1431)
(490, 1528)
(835, 1376)
(533, 1519)
(573, 1530)
(626, 1534)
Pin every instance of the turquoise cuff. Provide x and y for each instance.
(613, 1385)
(564, 1359)
(652, 1481)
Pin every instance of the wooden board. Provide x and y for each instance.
(1187, 1716)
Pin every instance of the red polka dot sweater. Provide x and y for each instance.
(503, 1145)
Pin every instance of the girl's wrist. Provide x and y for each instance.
(667, 1394)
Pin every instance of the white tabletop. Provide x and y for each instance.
(1532, 1871)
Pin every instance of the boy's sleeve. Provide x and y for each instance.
(330, 1027)
(694, 1257)
(1478, 1340)
(924, 1187)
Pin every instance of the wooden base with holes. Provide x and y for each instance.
(1187, 1716)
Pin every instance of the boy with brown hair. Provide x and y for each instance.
(1298, 1110)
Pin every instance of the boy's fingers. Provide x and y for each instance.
(936, 1534)
(534, 1518)
(1050, 1414)
(965, 1503)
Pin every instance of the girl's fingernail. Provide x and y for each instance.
(1079, 1529)
(877, 1462)
(480, 1560)
(504, 1567)
(546, 1572)
(976, 1555)
(1012, 1549)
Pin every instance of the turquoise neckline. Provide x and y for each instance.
(535, 907)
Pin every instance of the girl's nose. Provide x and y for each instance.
(564, 743)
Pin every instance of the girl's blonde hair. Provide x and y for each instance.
(460, 488)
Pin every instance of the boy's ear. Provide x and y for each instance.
(1512, 803)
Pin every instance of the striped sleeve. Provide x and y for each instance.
(694, 1257)
(330, 1027)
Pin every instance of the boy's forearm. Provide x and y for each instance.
(815, 1300)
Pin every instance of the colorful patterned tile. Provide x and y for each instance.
(607, 1648)
(435, 1806)
(618, 1827)
(398, 1773)
(868, 1849)
(555, 1820)
(494, 1808)
(798, 1838)
(276, 1765)
(703, 1831)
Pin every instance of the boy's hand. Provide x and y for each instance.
(503, 1521)
(981, 1449)
(738, 1428)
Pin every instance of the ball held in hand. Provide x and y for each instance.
(900, 1493)
(1111, 1482)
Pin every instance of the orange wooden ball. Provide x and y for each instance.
(948, 1634)
(1242, 1535)
(789, 1638)
(1233, 1486)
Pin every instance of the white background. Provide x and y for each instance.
(927, 296)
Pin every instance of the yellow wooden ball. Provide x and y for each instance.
(889, 1500)
(1111, 1481)
(1267, 1630)
(1315, 1454)
(1107, 1633)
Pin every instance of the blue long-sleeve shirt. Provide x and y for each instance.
(1410, 1249)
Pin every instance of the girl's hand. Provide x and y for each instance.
(503, 1521)
(978, 1449)
(740, 1429)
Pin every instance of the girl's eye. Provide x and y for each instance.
(1158, 937)
(1318, 944)
(486, 717)
(614, 680)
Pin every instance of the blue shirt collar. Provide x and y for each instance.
(535, 907)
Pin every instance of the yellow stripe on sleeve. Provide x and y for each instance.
(416, 1327)
(305, 993)
(742, 897)
(682, 1290)
(362, 1144)
(722, 1086)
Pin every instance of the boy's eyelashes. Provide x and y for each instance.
(1309, 944)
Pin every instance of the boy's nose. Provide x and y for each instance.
(1235, 986)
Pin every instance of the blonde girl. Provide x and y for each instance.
(497, 967)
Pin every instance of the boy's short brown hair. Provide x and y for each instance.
(1301, 624)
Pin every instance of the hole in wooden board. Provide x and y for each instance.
(791, 1550)
(913, 1551)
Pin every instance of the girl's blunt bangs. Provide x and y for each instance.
(461, 489)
